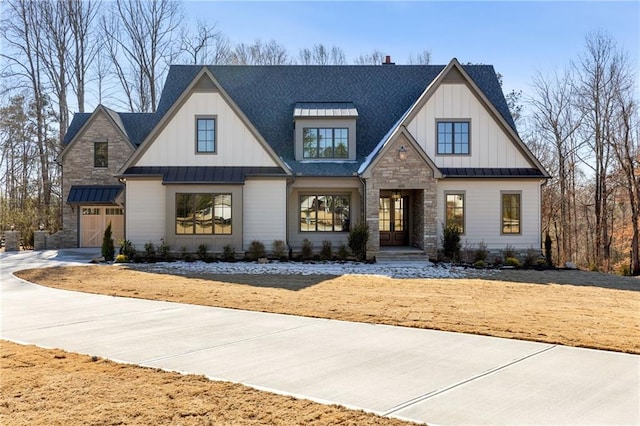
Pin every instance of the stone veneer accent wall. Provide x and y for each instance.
(77, 168)
(413, 174)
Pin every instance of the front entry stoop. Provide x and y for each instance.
(401, 254)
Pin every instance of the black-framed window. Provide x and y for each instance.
(453, 137)
(325, 142)
(101, 154)
(324, 213)
(455, 210)
(206, 135)
(203, 214)
(511, 213)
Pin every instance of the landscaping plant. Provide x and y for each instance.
(451, 242)
(108, 249)
(358, 238)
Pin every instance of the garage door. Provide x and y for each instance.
(94, 221)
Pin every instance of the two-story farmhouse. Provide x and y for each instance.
(235, 154)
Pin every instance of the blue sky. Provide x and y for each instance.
(518, 38)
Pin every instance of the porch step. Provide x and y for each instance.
(401, 255)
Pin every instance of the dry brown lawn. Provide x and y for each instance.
(53, 387)
(602, 311)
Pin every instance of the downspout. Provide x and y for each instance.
(290, 182)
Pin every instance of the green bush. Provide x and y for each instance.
(358, 238)
(326, 253)
(121, 258)
(451, 242)
(625, 270)
(163, 250)
(343, 252)
(150, 252)
(279, 250)
(509, 251)
(512, 261)
(479, 264)
(203, 252)
(481, 252)
(127, 248)
(307, 249)
(256, 250)
(531, 258)
(108, 249)
(228, 253)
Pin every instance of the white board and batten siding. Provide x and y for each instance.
(264, 212)
(490, 145)
(483, 211)
(175, 145)
(146, 212)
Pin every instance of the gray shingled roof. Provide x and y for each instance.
(267, 95)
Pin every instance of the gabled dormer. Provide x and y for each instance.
(325, 131)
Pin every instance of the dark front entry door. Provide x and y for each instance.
(393, 221)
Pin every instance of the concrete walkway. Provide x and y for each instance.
(422, 375)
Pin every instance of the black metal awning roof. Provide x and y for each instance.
(94, 194)
(203, 174)
(490, 172)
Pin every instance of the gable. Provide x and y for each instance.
(173, 142)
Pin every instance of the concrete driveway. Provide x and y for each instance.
(421, 375)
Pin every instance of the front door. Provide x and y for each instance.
(393, 220)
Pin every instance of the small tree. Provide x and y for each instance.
(547, 251)
(358, 238)
(451, 242)
(108, 249)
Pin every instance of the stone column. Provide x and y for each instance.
(39, 240)
(11, 240)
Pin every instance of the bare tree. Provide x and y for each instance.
(259, 53)
(376, 57)
(141, 40)
(600, 71)
(82, 16)
(206, 46)
(321, 55)
(555, 118)
(421, 58)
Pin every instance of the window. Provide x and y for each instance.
(511, 213)
(453, 137)
(100, 154)
(455, 211)
(325, 143)
(324, 213)
(206, 135)
(114, 211)
(90, 211)
(203, 214)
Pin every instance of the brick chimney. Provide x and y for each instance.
(387, 61)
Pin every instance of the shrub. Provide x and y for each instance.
(593, 267)
(183, 253)
(625, 270)
(512, 261)
(150, 252)
(497, 261)
(326, 253)
(481, 252)
(228, 253)
(256, 250)
(509, 251)
(202, 252)
(278, 249)
(163, 250)
(121, 258)
(108, 249)
(307, 249)
(358, 238)
(451, 242)
(127, 248)
(479, 264)
(28, 241)
(343, 252)
(547, 251)
(531, 258)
